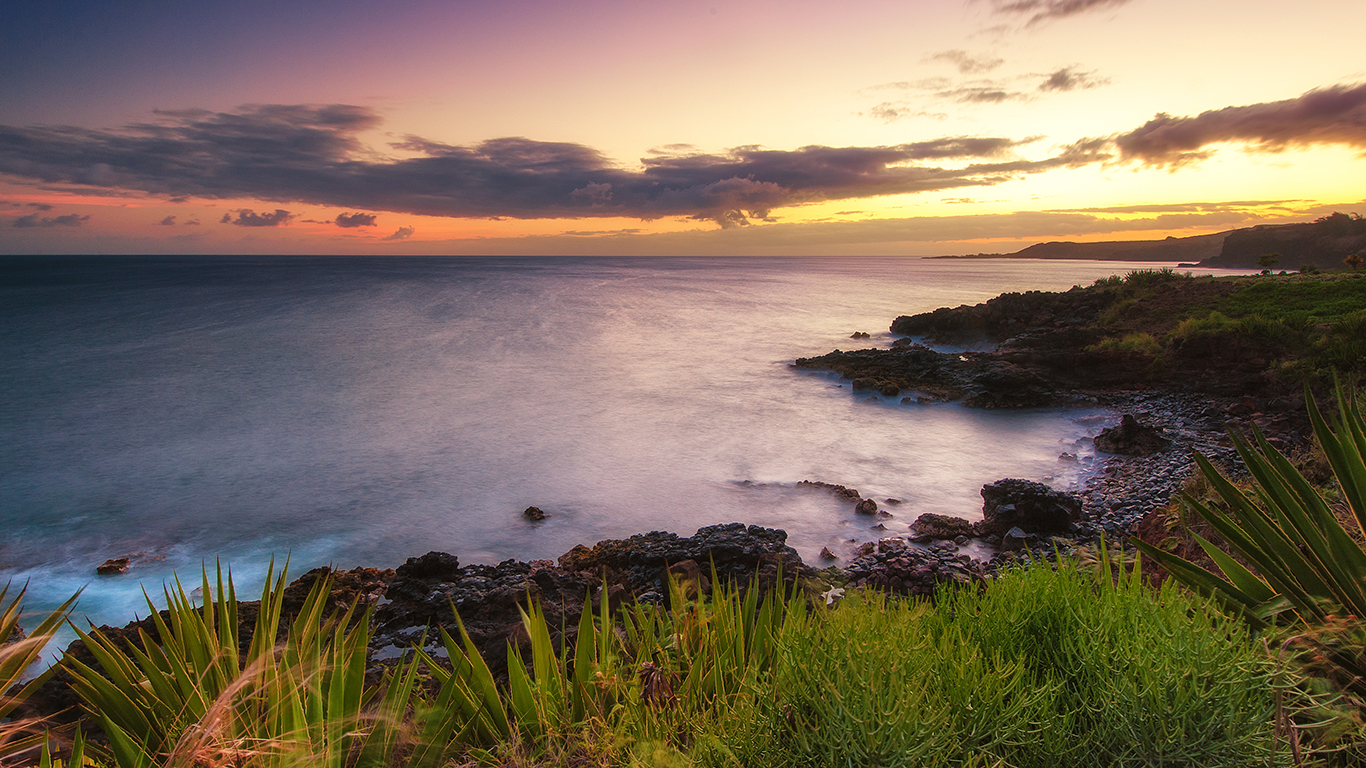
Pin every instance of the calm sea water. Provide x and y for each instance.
(358, 411)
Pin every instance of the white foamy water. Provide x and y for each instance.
(360, 411)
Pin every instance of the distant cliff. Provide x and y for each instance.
(1185, 249)
(1322, 244)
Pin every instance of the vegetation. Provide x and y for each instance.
(20, 737)
(1046, 668)
(1292, 561)
(1306, 325)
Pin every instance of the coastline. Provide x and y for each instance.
(414, 599)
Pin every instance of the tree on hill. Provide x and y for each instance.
(1268, 260)
(1354, 261)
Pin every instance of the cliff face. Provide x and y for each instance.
(1322, 244)
(1187, 249)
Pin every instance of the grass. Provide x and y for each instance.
(1045, 668)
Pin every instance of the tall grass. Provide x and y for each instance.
(1046, 668)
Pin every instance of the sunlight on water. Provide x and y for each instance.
(358, 412)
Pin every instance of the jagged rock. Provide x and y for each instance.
(533, 513)
(1013, 539)
(1005, 385)
(850, 494)
(1131, 439)
(934, 526)
(437, 566)
(114, 566)
(1029, 505)
(866, 507)
(735, 549)
(859, 335)
(826, 554)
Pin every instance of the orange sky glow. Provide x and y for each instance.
(711, 128)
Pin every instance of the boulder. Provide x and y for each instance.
(934, 526)
(1014, 539)
(433, 566)
(1031, 506)
(690, 579)
(114, 566)
(1131, 439)
(827, 555)
(533, 513)
(866, 507)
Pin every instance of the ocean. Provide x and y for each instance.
(358, 411)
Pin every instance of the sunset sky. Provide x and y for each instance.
(603, 127)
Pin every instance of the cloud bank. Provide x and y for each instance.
(1333, 115)
(312, 155)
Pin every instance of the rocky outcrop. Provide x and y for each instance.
(931, 526)
(894, 566)
(114, 566)
(1131, 439)
(1007, 315)
(1032, 507)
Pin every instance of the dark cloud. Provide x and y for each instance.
(1069, 79)
(967, 63)
(1040, 11)
(40, 206)
(1333, 115)
(191, 223)
(311, 155)
(402, 233)
(32, 220)
(351, 220)
(246, 217)
(169, 221)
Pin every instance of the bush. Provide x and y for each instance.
(1045, 668)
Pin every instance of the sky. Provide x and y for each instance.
(670, 128)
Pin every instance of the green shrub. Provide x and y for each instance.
(1134, 344)
(1045, 668)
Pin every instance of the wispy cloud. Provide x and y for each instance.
(967, 63)
(169, 221)
(1070, 79)
(311, 155)
(402, 233)
(1332, 115)
(1040, 11)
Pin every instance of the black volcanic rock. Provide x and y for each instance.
(1131, 439)
(1031, 506)
(433, 565)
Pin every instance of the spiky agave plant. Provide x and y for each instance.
(188, 696)
(1306, 562)
(20, 736)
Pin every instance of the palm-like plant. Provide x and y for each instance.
(1304, 561)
